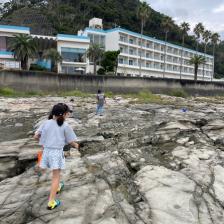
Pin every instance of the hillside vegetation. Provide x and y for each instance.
(49, 17)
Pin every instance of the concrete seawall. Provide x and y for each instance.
(42, 81)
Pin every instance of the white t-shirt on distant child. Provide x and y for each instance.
(101, 99)
(54, 136)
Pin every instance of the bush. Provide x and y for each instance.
(7, 91)
(35, 67)
(144, 96)
(109, 94)
(178, 93)
(101, 71)
(76, 93)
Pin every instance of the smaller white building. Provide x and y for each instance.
(73, 49)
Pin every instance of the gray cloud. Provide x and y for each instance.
(209, 12)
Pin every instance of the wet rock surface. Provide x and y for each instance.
(138, 164)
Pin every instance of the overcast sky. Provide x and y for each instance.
(209, 12)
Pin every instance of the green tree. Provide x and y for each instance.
(206, 37)
(109, 61)
(185, 27)
(167, 25)
(24, 47)
(196, 60)
(54, 56)
(143, 13)
(198, 30)
(95, 53)
(215, 39)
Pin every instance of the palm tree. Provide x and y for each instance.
(215, 39)
(95, 53)
(54, 56)
(206, 37)
(24, 47)
(167, 25)
(198, 30)
(185, 27)
(196, 60)
(143, 13)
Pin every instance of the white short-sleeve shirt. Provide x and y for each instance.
(54, 136)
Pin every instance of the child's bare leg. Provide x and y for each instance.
(54, 184)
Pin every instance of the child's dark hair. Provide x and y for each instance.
(99, 91)
(58, 110)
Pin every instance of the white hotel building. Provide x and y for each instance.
(159, 59)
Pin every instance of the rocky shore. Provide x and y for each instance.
(139, 164)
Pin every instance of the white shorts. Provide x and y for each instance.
(53, 159)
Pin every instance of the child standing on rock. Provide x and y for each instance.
(101, 100)
(53, 135)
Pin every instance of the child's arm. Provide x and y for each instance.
(37, 136)
(70, 137)
(74, 144)
(38, 132)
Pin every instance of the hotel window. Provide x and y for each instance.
(157, 56)
(170, 50)
(175, 51)
(156, 46)
(121, 61)
(3, 44)
(97, 39)
(131, 51)
(131, 62)
(131, 41)
(149, 45)
(73, 54)
(169, 58)
(157, 65)
(122, 38)
(148, 55)
(175, 60)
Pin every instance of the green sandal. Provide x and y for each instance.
(61, 187)
(53, 204)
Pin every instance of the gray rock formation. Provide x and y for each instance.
(139, 164)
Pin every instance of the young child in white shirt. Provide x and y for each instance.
(53, 135)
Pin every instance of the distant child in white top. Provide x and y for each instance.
(53, 135)
(101, 100)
